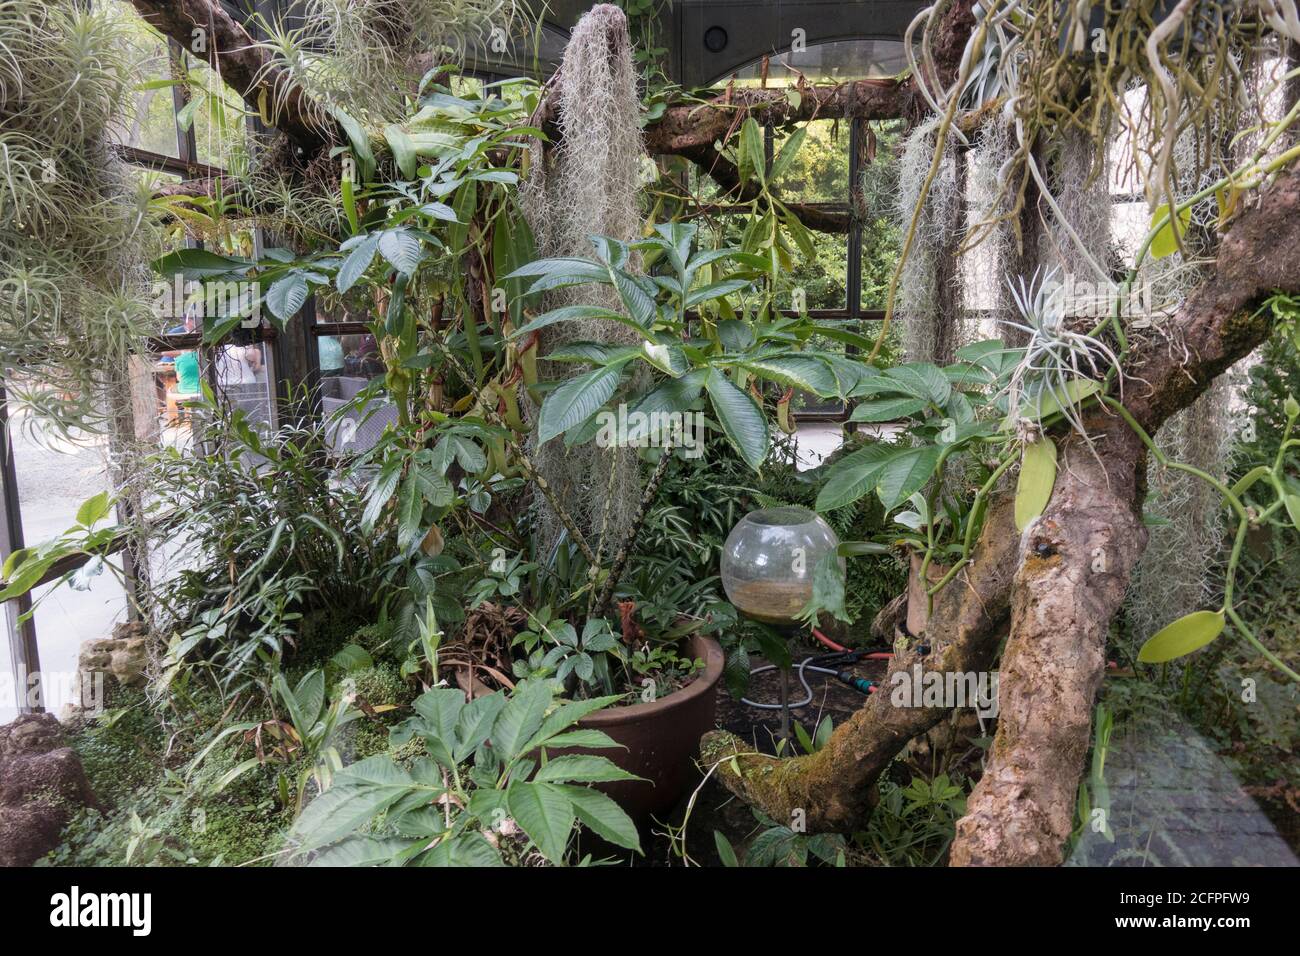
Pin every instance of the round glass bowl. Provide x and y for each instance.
(769, 559)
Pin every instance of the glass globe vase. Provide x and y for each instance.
(769, 559)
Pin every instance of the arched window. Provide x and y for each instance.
(832, 61)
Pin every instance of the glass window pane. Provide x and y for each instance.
(66, 618)
(1129, 223)
(348, 364)
(243, 378)
(10, 692)
(331, 307)
(220, 121)
(55, 474)
(823, 280)
(876, 199)
(152, 124)
(820, 170)
(830, 62)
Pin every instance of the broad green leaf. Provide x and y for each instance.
(581, 768)
(852, 476)
(310, 697)
(639, 302)
(1183, 636)
(1293, 509)
(592, 739)
(403, 149)
(360, 792)
(439, 712)
(726, 853)
(785, 156)
(475, 723)
(287, 295)
(741, 419)
(1048, 402)
(93, 509)
(199, 264)
(381, 490)
(348, 193)
(673, 395)
(521, 718)
(362, 851)
(753, 157)
(603, 816)
(904, 472)
(410, 509)
(545, 813)
(978, 353)
(1165, 242)
(887, 409)
(434, 488)
(574, 313)
(359, 140)
(1037, 476)
(577, 400)
(357, 262)
(464, 850)
(715, 290)
(565, 716)
(922, 380)
(825, 727)
(401, 248)
(810, 374)
(351, 658)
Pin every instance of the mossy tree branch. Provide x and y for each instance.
(1059, 585)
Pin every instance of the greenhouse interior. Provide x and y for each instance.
(650, 434)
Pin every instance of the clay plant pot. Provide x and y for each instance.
(662, 738)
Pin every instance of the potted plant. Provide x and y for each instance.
(717, 362)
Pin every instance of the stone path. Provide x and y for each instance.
(1175, 802)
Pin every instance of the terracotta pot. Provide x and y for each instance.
(662, 738)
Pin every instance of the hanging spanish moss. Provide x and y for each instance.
(1077, 241)
(989, 253)
(74, 230)
(1181, 568)
(589, 186)
(928, 298)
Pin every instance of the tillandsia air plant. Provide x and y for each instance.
(73, 224)
(357, 56)
(1059, 366)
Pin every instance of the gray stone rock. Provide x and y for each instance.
(42, 783)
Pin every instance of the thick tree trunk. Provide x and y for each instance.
(1062, 609)
(1078, 556)
(1074, 565)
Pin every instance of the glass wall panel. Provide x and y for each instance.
(152, 126)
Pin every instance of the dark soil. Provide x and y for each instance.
(715, 807)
